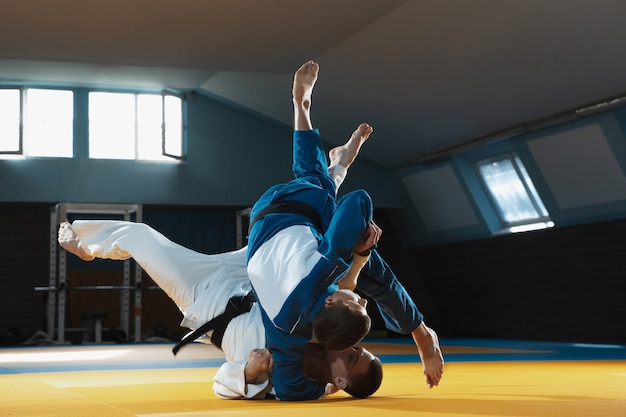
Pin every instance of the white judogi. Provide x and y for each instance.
(199, 284)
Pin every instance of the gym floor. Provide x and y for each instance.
(482, 378)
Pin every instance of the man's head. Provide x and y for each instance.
(355, 370)
(343, 321)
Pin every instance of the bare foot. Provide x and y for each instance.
(430, 353)
(70, 242)
(303, 81)
(345, 154)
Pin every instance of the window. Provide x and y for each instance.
(516, 200)
(173, 127)
(135, 126)
(36, 122)
(10, 116)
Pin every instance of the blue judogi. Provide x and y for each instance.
(293, 266)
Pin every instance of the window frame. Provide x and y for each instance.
(162, 125)
(22, 104)
(167, 155)
(183, 126)
(23, 124)
(531, 192)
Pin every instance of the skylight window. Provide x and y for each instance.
(514, 195)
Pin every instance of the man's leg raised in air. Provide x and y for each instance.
(303, 82)
(341, 157)
(181, 272)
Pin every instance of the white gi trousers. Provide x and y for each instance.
(199, 284)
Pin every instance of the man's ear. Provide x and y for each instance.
(329, 300)
(340, 382)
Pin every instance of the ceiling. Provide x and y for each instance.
(429, 75)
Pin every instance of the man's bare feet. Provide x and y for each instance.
(430, 352)
(345, 154)
(303, 82)
(70, 242)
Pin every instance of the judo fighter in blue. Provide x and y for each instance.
(301, 243)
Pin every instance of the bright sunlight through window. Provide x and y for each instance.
(48, 124)
(45, 128)
(135, 126)
(10, 121)
(513, 194)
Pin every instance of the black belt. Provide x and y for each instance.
(294, 207)
(236, 306)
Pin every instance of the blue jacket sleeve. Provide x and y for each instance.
(396, 306)
(353, 213)
(290, 383)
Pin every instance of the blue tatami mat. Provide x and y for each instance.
(67, 358)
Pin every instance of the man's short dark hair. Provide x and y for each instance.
(362, 386)
(338, 327)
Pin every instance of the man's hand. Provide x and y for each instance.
(370, 238)
(430, 352)
(259, 366)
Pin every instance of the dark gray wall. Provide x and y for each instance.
(563, 284)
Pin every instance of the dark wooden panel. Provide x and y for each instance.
(24, 264)
(558, 284)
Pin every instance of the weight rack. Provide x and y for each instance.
(58, 284)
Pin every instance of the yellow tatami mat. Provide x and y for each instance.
(145, 383)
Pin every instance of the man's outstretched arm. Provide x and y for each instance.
(401, 315)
